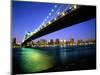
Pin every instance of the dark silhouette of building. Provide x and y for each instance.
(57, 42)
(14, 41)
(80, 42)
(72, 41)
(51, 42)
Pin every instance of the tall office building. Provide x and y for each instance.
(14, 41)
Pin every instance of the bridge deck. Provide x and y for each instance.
(77, 16)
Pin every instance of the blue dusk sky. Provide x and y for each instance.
(27, 16)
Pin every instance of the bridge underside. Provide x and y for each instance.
(77, 16)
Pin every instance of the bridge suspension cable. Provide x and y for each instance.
(57, 11)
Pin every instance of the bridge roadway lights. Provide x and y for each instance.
(83, 13)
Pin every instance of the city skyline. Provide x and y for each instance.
(26, 18)
(52, 37)
(55, 43)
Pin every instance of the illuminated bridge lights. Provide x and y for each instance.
(63, 13)
(52, 10)
(49, 22)
(47, 17)
(33, 33)
(44, 25)
(59, 15)
(55, 6)
(55, 19)
(75, 6)
(70, 8)
(49, 14)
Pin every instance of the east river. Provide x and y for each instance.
(51, 59)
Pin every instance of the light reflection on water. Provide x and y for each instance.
(76, 53)
(28, 60)
(33, 60)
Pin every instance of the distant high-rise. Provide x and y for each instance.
(14, 40)
(72, 41)
(80, 42)
(57, 42)
(51, 42)
(43, 42)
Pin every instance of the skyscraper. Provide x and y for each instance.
(14, 41)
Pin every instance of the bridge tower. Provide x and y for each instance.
(26, 36)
